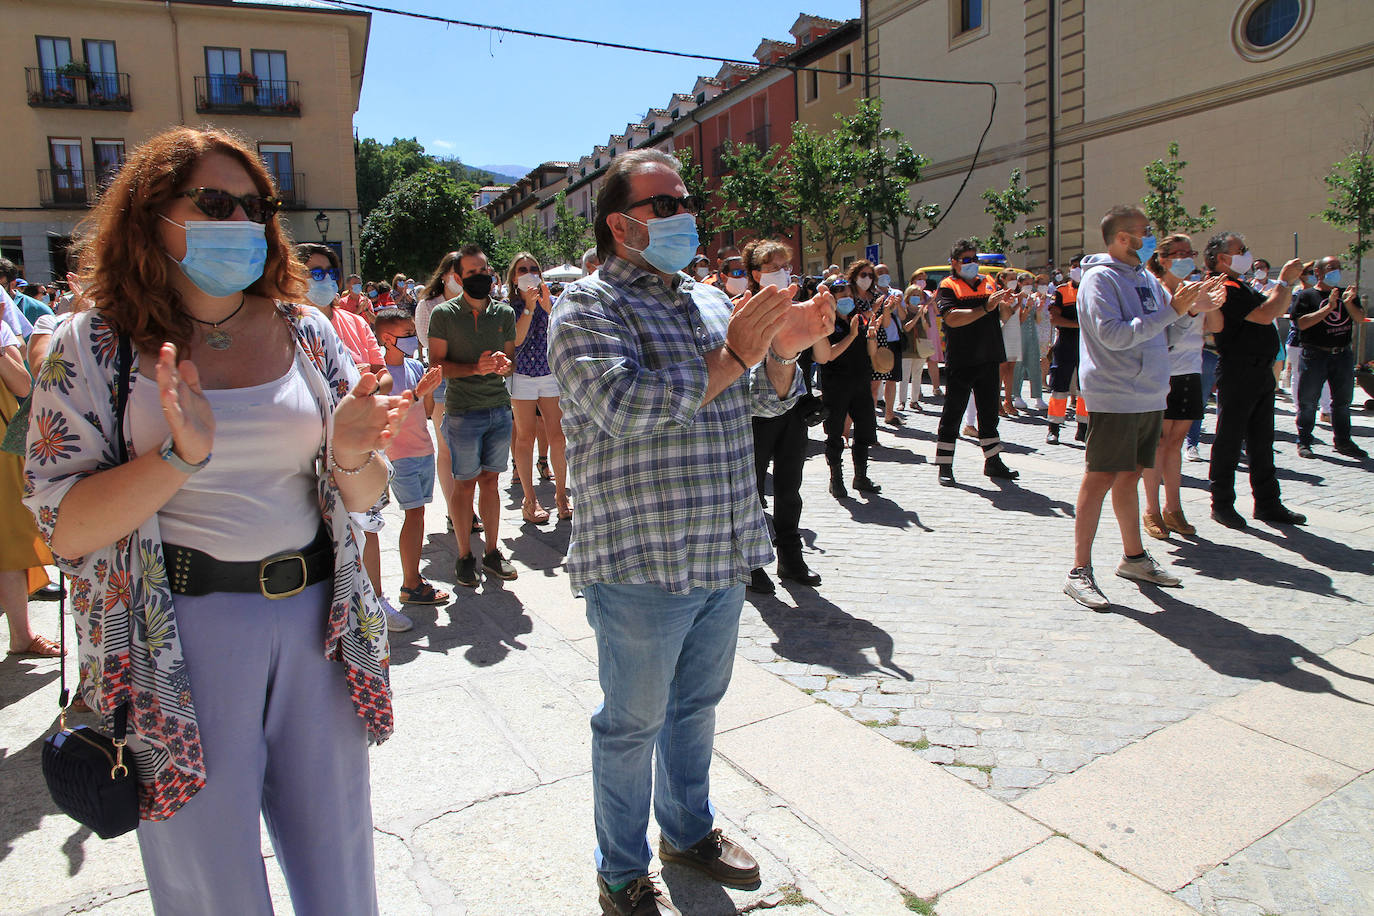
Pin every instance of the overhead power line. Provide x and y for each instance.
(667, 52)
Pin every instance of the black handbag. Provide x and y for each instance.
(87, 773)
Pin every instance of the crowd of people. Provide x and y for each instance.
(246, 412)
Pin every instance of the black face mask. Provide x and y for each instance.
(477, 286)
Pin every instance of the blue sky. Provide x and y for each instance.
(491, 99)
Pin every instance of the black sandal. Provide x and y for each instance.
(545, 472)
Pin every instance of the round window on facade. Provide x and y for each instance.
(1264, 29)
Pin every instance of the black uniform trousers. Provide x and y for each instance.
(849, 397)
(983, 383)
(781, 441)
(1245, 417)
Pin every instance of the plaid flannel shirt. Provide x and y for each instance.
(666, 493)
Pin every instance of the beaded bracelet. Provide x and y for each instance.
(349, 472)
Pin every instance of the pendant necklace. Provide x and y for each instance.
(216, 339)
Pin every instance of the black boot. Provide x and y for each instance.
(837, 489)
(997, 469)
(861, 481)
(759, 583)
(791, 565)
(1081, 434)
(946, 475)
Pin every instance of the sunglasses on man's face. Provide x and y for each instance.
(319, 274)
(666, 205)
(218, 204)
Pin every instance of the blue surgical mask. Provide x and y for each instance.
(1147, 248)
(844, 305)
(321, 292)
(223, 257)
(408, 345)
(1182, 267)
(969, 271)
(356, 288)
(372, 294)
(673, 241)
(1332, 277)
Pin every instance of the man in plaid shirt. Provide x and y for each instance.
(659, 380)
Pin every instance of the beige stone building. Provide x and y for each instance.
(1261, 95)
(88, 80)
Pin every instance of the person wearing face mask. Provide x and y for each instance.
(534, 391)
(219, 481)
(322, 291)
(1064, 359)
(732, 279)
(970, 306)
(924, 339)
(779, 441)
(660, 375)
(352, 297)
(1172, 263)
(590, 262)
(700, 268)
(1246, 343)
(1325, 317)
(443, 285)
(890, 314)
(1294, 347)
(1123, 315)
(846, 373)
(472, 337)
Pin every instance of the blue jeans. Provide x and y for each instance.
(1209, 378)
(664, 662)
(1320, 368)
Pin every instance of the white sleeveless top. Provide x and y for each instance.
(257, 495)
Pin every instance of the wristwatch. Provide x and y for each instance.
(168, 454)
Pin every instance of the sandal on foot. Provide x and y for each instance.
(545, 472)
(38, 647)
(534, 513)
(424, 593)
(564, 512)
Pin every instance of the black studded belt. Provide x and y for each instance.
(194, 572)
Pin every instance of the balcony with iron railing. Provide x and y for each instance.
(233, 93)
(67, 88)
(71, 188)
(291, 189)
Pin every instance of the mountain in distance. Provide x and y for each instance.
(506, 174)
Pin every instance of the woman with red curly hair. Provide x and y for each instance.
(197, 443)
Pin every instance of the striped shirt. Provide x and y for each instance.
(665, 486)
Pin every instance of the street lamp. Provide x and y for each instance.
(322, 224)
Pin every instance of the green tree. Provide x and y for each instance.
(420, 220)
(530, 236)
(881, 166)
(1006, 208)
(1163, 205)
(378, 168)
(571, 235)
(710, 220)
(824, 200)
(754, 191)
(1350, 207)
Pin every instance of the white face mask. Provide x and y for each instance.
(452, 287)
(703, 272)
(528, 281)
(864, 283)
(1240, 263)
(779, 278)
(736, 285)
(1261, 274)
(1075, 274)
(1043, 289)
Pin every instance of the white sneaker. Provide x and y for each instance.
(1081, 587)
(1145, 569)
(1191, 452)
(396, 622)
(1018, 403)
(1041, 405)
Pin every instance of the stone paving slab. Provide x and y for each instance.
(1062, 878)
(1174, 805)
(925, 829)
(1337, 724)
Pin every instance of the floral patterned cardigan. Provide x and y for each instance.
(129, 648)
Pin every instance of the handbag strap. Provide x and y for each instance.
(121, 716)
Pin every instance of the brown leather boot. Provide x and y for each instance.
(718, 857)
(641, 897)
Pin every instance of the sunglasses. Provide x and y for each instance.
(319, 274)
(526, 269)
(1179, 254)
(734, 272)
(971, 259)
(666, 205)
(218, 204)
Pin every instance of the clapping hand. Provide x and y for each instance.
(805, 323)
(428, 383)
(756, 319)
(366, 420)
(1201, 296)
(184, 406)
(493, 362)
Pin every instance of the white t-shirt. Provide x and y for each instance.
(257, 496)
(8, 338)
(422, 313)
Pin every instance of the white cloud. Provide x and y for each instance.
(443, 144)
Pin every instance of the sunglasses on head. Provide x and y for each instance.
(666, 205)
(218, 204)
(323, 273)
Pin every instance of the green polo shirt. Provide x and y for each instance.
(469, 336)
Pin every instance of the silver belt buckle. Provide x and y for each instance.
(282, 558)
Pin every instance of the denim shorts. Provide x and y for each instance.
(478, 440)
(413, 485)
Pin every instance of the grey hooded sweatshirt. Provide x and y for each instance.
(1123, 355)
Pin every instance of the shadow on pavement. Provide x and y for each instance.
(26, 800)
(818, 632)
(876, 509)
(1318, 550)
(488, 620)
(1006, 495)
(695, 893)
(1227, 562)
(1233, 649)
